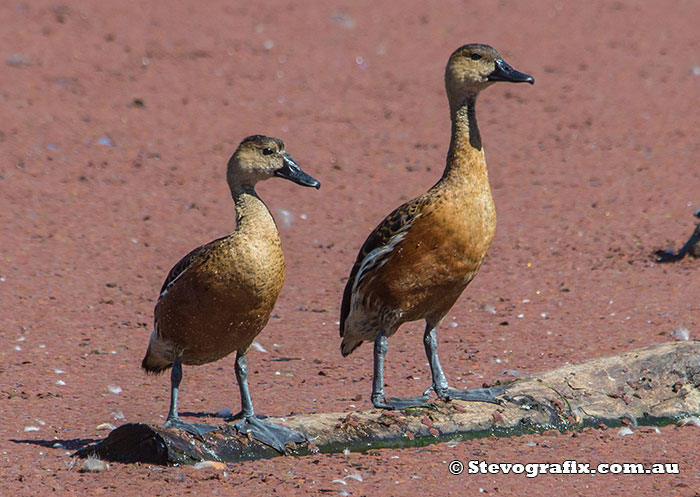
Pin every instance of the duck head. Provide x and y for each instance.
(473, 67)
(260, 157)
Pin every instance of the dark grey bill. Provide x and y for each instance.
(503, 72)
(291, 171)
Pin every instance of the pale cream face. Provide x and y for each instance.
(468, 69)
(256, 159)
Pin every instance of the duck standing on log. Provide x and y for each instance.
(218, 298)
(420, 258)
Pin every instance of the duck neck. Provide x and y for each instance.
(252, 215)
(465, 158)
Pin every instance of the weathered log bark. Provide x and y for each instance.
(652, 385)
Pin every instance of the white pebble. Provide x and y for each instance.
(18, 348)
(31, 428)
(544, 315)
(114, 389)
(60, 383)
(105, 426)
(20, 339)
(625, 430)
(521, 315)
(454, 324)
(356, 476)
(58, 371)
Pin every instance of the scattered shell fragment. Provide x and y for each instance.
(355, 476)
(210, 465)
(31, 428)
(681, 333)
(105, 426)
(689, 421)
(114, 389)
(93, 465)
(625, 430)
(259, 347)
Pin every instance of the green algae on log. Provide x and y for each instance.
(652, 385)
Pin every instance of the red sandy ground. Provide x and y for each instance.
(592, 169)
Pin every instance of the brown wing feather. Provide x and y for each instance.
(198, 255)
(379, 236)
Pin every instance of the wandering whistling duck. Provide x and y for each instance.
(417, 262)
(219, 296)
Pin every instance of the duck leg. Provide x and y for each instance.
(440, 386)
(381, 345)
(174, 420)
(275, 436)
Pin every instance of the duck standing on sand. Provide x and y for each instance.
(420, 258)
(219, 296)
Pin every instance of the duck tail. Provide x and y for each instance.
(348, 345)
(155, 362)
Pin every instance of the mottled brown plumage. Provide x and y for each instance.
(417, 262)
(218, 297)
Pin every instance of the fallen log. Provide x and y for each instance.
(653, 385)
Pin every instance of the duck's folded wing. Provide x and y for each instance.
(378, 247)
(195, 257)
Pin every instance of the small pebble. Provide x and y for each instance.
(114, 389)
(105, 426)
(625, 430)
(31, 428)
(224, 413)
(60, 383)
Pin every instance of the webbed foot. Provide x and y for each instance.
(276, 436)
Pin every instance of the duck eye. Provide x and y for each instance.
(476, 56)
(267, 151)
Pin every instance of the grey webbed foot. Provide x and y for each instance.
(197, 429)
(398, 403)
(477, 394)
(276, 436)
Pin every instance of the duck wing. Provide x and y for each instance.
(379, 244)
(197, 256)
